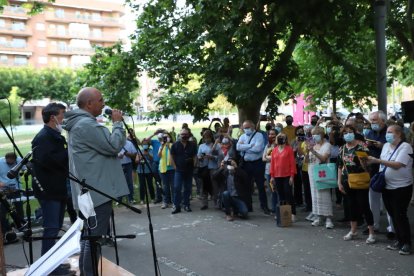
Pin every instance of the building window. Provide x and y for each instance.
(40, 26)
(61, 30)
(60, 13)
(3, 41)
(41, 43)
(18, 43)
(96, 16)
(18, 26)
(20, 60)
(63, 61)
(97, 32)
(2, 23)
(3, 59)
(42, 60)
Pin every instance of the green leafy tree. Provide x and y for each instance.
(9, 110)
(114, 72)
(59, 84)
(241, 49)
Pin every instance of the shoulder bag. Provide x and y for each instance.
(358, 181)
(378, 183)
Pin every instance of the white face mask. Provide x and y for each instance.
(86, 206)
(58, 126)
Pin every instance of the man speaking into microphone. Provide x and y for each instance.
(93, 152)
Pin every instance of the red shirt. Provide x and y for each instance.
(282, 164)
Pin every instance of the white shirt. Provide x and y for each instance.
(131, 149)
(402, 177)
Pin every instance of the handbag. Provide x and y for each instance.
(358, 181)
(378, 183)
(325, 176)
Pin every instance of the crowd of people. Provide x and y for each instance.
(227, 168)
(282, 160)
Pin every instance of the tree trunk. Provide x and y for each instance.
(333, 93)
(249, 111)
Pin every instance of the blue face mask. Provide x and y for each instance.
(390, 138)
(366, 131)
(278, 129)
(328, 130)
(248, 131)
(317, 138)
(375, 127)
(145, 147)
(349, 137)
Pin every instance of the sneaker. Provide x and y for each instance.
(187, 209)
(141, 202)
(175, 211)
(405, 250)
(157, 201)
(266, 211)
(133, 202)
(164, 206)
(205, 207)
(229, 218)
(370, 239)
(310, 217)
(329, 224)
(293, 218)
(350, 236)
(394, 246)
(317, 222)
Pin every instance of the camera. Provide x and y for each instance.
(165, 139)
(301, 138)
(227, 162)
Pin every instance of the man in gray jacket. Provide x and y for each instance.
(93, 154)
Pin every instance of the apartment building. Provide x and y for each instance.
(63, 35)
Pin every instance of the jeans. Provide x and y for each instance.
(298, 186)
(145, 184)
(127, 168)
(285, 191)
(158, 186)
(396, 202)
(167, 179)
(182, 179)
(103, 214)
(238, 205)
(375, 205)
(53, 215)
(255, 171)
(307, 191)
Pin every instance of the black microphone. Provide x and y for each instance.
(14, 172)
(108, 111)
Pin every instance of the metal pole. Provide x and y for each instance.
(380, 18)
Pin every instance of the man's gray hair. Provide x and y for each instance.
(380, 114)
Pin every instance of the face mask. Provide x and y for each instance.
(328, 130)
(317, 138)
(349, 137)
(86, 206)
(289, 122)
(207, 140)
(225, 141)
(390, 138)
(375, 127)
(145, 147)
(314, 123)
(365, 131)
(58, 126)
(184, 137)
(248, 131)
(307, 128)
(278, 129)
(280, 140)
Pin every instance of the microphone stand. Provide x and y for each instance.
(150, 227)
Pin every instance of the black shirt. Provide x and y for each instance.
(184, 156)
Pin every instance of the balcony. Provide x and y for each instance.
(83, 35)
(67, 17)
(69, 50)
(12, 63)
(15, 48)
(14, 12)
(15, 30)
